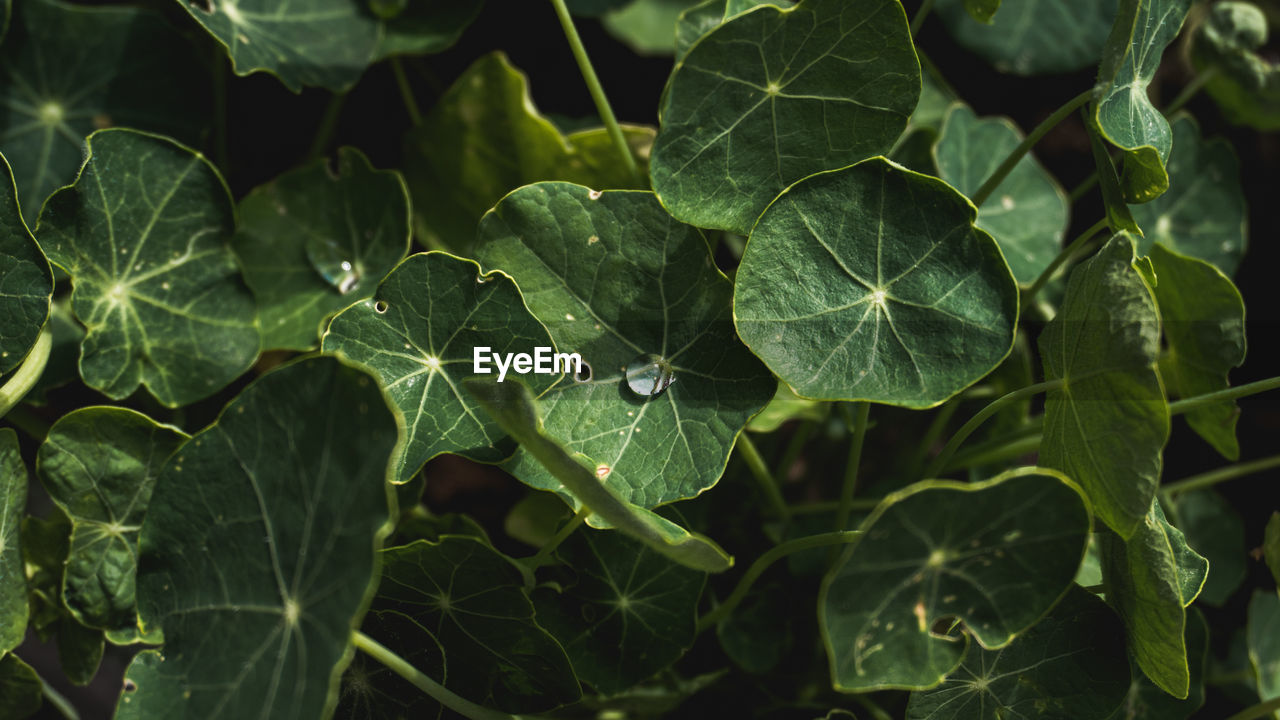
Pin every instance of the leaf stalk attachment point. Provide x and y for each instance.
(440, 693)
(1027, 143)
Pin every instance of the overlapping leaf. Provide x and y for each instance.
(1027, 212)
(710, 14)
(66, 70)
(1034, 37)
(872, 283)
(786, 406)
(616, 279)
(647, 26)
(26, 282)
(143, 233)
(1106, 425)
(1216, 531)
(994, 555)
(819, 86)
(1069, 666)
(419, 335)
(1124, 113)
(1264, 642)
(311, 243)
(14, 610)
(425, 26)
(257, 554)
(1245, 82)
(100, 464)
(21, 691)
(1145, 701)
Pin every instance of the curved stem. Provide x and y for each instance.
(1067, 253)
(406, 92)
(1199, 401)
(794, 447)
(940, 461)
(58, 701)
(1222, 474)
(763, 562)
(1025, 146)
(1011, 448)
(541, 558)
(931, 435)
(920, 15)
(1261, 710)
(1195, 86)
(760, 471)
(328, 124)
(25, 377)
(594, 87)
(440, 693)
(858, 427)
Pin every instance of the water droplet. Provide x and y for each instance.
(649, 375)
(569, 317)
(333, 263)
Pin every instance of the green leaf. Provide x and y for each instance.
(63, 366)
(425, 26)
(418, 335)
(1119, 215)
(872, 283)
(593, 8)
(757, 634)
(1203, 213)
(14, 610)
(1246, 83)
(1027, 213)
(995, 555)
(1202, 313)
(1033, 37)
(45, 542)
(457, 611)
(21, 691)
(819, 86)
(1107, 424)
(80, 650)
(1071, 665)
(99, 464)
(1216, 531)
(67, 70)
(316, 42)
(1145, 701)
(628, 613)
(1151, 578)
(514, 408)
(155, 282)
(784, 407)
(614, 278)
(257, 554)
(647, 26)
(484, 138)
(311, 243)
(1271, 546)
(707, 16)
(1125, 115)
(983, 11)
(1264, 642)
(26, 282)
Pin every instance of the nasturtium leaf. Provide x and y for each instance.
(66, 70)
(872, 283)
(457, 610)
(710, 14)
(26, 282)
(1245, 83)
(628, 613)
(1033, 37)
(1150, 580)
(593, 8)
(1202, 313)
(44, 554)
(821, 85)
(1027, 213)
(757, 634)
(914, 148)
(484, 138)
(1216, 531)
(995, 555)
(1264, 642)
(419, 335)
(1071, 665)
(257, 553)
(1124, 113)
(311, 243)
(1119, 216)
(1107, 423)
(14, 609)
(99, 464)
(786, 406)
(1271, 546)
(143, 233)
(983, 11)
(1203, 213)
(21, 691)
(80, 650)
(1145, 701)
(317, 42)
(616, 279)
(425, 26)
(647, 26)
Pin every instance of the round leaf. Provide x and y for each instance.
(26, 282)
(1034, 37)
(872, 283)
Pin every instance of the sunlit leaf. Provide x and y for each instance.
(1216, 531)
(784, 407)
(26, 282)
(647, 26)
(14, 610)
(1033, 37)
(1119, 215)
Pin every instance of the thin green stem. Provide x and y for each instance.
(25, 377)
(760, 471)
(1067, 253)
(1025, 146)
(1008, 449)
(594, 87)
(1261, 710)
(763, 562)
(1085, 186)
(542, 557)
(1195, 86)
(328, 125)
(876, 711)
(982, 415)
(858, 426)
(440, 693)
(58, 701)
(794, 447)
(406, 92)
(221, 151)
(1199, 401)
(1222, 474)
(921, 14)
(939, 423)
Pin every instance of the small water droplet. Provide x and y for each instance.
(649, 375)
(333, 263)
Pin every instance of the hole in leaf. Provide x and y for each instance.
(583, 374)
(380, 306)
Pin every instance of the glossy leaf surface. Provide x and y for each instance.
(26, 283)
(1034, 37)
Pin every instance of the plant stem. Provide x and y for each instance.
(25, 377)
(1261, 710)
(763, 562)
(406, 92)
(760, 472)
(1222, 474)
(833, 505)
(921, 14)
(597, 92)
(1029, 142)
(538, 560)
(440, 693)
(1067, 253)
(876, 711)
(1195, 86)
(794, 448)
(940, 420)
(221, 153)
(328, 124)
(1008, 449)
(58, 701)
(858, 426)
(995, 406)
(1199, 401)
